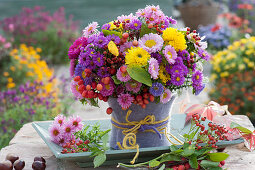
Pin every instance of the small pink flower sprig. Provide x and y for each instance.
(62, 129)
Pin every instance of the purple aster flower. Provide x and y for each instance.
(103, 72)
(60, 119)
(113, 38)
(184, 54)
(76, 122)
(79, 71)
(170, 54)
(82, 58)
(194, 66)
(179, 68)
(125, 47)
(166, 96)
(203, 54)
(177, 79)
(98, 59)
(106, 27)
(101, 41)
(125, 100)
(124, 77)
(89, 63)
(74, 50)
(198, 88)
(153, 68)
(74, 90)
(172, 21)
(135, 24)
(56, 132)
(197, 77)
(157, 56)
(151, 42)
(92, 39)
(133, 86)
(107, 88)
(156, 89)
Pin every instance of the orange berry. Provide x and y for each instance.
(88, 87)
(99, 87)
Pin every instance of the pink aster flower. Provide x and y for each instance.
(126, 46)
(126, 17)
(76, 122)
(68, 129)
(124, 77)
(170, 54)
(90, 29)
(166, 96)
(153, 68)
(56, 132)
(63, 140)
(133, 86)
(125, 100)
(74, 90)
(107, 88)
(151, 42)
(60, 119)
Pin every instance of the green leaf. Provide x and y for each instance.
(108, 32)
(215, 168)
(146, 30)
(170, 157)
(193, 161)
(218, 157)
(139, 74)
(242, 129)
(93, 102)
(173, 148)
(208, 164)
(188, 151)
(154, 163)
(202, 151)
(99, 160)
(116, 81)
(162, 167)
(186, 135)
(105, 140)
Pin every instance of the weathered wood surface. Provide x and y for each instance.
(27, 144)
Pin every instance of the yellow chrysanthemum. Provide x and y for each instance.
(137, 56)
(163, 75)
(174, 38)
(113, 48)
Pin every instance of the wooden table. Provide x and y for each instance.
(27, 144)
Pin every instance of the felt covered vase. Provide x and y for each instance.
(147, 125)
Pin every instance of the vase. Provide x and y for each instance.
(147, 124)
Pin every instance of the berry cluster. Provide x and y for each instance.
(210, 136)
(75, 147)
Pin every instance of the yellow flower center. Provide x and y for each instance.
(203, 54)
(124, 74)
(75, 123)
(133, 85)
(164, 95)
(90, 28)
(150, 43)
(98, 59)
(135, 24)
(76, 87)
(197, 77)
(107, 87)
(68, 129)
(55, 132)
(83, 74)
(178, 79)
(60, 121)
(170, 54)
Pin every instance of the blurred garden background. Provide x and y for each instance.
(35, 36)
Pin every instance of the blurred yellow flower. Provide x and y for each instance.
(6, 74)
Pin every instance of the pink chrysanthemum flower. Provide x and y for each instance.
(60, 119)
(68, 128)
(124, 77)
(151, 42)
(76, 122)
(153, 68)
(125, 47)
(125, 100)
(133, 86)
(74, 90)
(170, 54)
(107, 88)
(62, 141)
(90, 29)
(166, 96)
(126, 17)
(56, 132)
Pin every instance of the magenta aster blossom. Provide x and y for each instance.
(74, 50)
(60, 119)
(124, 77)
(98, 59)
(113, 38)
(153, 68)
(170, 54)
(166, 96)
(68, 128)
(103, 72)
(74, 90)
(106, 27)
(107, 88)
(56, 132)
(90, 29)
(125, 100)
(135, 24)
(133, 86)
(197, 77)
(177, 79)
(125, 47)
(72, 67)
(152, 14)
(151, 42)
(76, 122)
(203, 54)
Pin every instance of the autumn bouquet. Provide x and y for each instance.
(136, 59)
